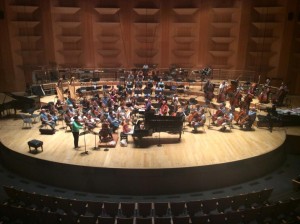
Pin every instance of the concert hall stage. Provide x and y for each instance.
(201, 161)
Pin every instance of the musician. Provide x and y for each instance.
(85, 103)
(245, 104)
(208, 91)
(161, 84)
(130, 76)
(235, 100)
(148, 105)
(199, 120)
(76, 126)
(222, 90)
(226, 120)
(164, 108)
(280, 95)
(113, 121)
(126, 127)
(105, 134)
(249, 119)
(46, 119)
(219, 113)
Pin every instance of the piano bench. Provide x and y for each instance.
(35, 144)
(123, 136)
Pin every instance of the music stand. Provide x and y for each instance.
(95, 147)
(85, 151)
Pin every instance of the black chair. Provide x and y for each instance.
(217, 218)
(162, 220)
(144, 209)
(87, 219)
(125, 220)
(178, 208)
(161, 209)
(127, 209)
(143, 220)
(105, 220)
(265, 195)
(200, 219)
(238, 201)
(111, 208)
(95, 208)
(181, 219)
(193, 207)
(223, 204)
(209, 205)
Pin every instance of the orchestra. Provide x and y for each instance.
(118, 105)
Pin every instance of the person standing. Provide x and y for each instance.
(76, 126)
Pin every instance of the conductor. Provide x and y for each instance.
(75, 130)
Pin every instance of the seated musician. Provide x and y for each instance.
(249, 120)
(126, 127)
(164, 108)
(105, 134)
(113, 121)
(198, 120)
(161, 84)
(130, 76)
(68, 118)
(85, 104)
(147, 91)
(44, 116)
(148, 105)
(226, 120)
(59, 106)
(219, 113)
(89, 122)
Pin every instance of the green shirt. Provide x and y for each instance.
(76, 126)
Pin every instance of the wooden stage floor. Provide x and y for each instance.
(194, 149)
(204, 160)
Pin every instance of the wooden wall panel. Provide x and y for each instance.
(259, 35)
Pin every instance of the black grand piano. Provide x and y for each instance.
(11, 101)
(155, 123)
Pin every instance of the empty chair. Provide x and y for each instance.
(64, 204)
(250, 215)
(234, 217)
(127, 209)
(238, 201)
(217, 218)
(27, 121)
(177, 208)
(223, 204)
(36, 200)
(50, 203)
(79, 206)
(144, 209)
(143, 220)
(193, 207)
(161, 209)
(200, 219)
(268, 213)
(181, 219)
(111, 209)
(265, 195)
(87, 219)
(125, 220)
(209, 205)
(106, 220)
(94, 208)
(252, 200)
(48, 217)
(11, 192)
(162, 220)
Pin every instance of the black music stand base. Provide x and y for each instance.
(106, 149)
(159, 145)
(84, 153)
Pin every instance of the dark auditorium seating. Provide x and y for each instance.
(250, 207)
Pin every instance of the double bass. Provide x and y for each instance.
(264, 95)
(235, 100)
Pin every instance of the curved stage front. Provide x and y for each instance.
(201, 161)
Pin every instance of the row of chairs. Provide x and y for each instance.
(280, 212)
(139, 209)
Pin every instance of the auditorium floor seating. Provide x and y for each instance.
(278, 181)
